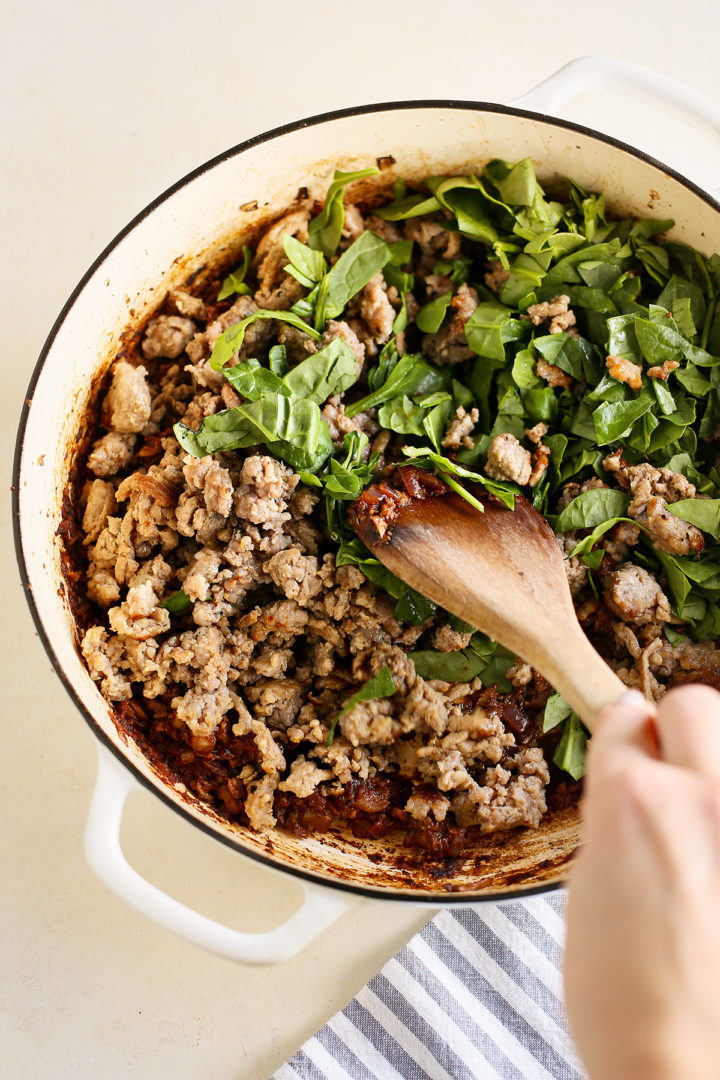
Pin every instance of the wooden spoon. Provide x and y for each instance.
(501, 571)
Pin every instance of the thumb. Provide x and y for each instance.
(688, 725)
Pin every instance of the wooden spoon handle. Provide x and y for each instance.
(582, 676)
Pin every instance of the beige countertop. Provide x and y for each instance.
(104, 106)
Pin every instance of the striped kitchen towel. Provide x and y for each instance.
(477, 994)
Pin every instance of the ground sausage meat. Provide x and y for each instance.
(556, 312)
(625, 371)
(508, 460)
(128, 401)
(634, 595)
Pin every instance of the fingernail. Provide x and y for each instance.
(633, 698)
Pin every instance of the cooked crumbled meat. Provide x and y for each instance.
(283, 620)
(335, 329)
(304, 778)
(259, 803)
(139, 616)
(340, 425)
(508, 460)
(432, 238)
(102, 658)
(354, 222)
(270, 254)
(209, 477)
(231, 399)
(520, 674)
(151, 510)
(448, 640)
(552, 374)
(540, 461)
(389, 231)
(437, 285)
(298, 344)
(652, 489)
(202, 405)
(186, 304)
(428, 804)
(203, 710)
(296, 574)
(114, 550)
(376, 309)
(100, 505)
(556, 311)
(626, 639)
(575, 568)
(506, 799)
(662, 371)
(167, 336)
(424, 708)
(496, 275)
(625, 371)
(370, 722)
(626, 533)
(128, 400)
(111, 453)
(155, 572)
(537, 433)
(152, 483)
(459, 429)
(257, 337)
(649, 685)
(272, 662)
(634, 594)
(282, 297)
(201, 573)
(573, 489)
(449, 345)
(451, 772)
(265, 491)
(645, 480)
(669, 532)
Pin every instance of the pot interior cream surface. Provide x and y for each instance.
(205, 221)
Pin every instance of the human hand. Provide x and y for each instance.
(642, 964)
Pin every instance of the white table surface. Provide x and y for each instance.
(104, 105)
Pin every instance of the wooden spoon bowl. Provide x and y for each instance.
(500, 570)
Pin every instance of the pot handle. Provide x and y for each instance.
(589, 72)
(105, 856)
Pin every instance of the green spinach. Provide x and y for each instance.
(325, 230)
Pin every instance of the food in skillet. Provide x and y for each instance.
(474, 330)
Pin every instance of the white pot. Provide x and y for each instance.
(199, 221)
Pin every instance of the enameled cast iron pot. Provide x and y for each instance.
(200, 221)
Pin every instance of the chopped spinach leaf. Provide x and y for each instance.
(571, 750)
(429, 318)
(592, 508)
(230, 341)
(703, 513)
(411, 375)
(176, 603)
(290, 427)
(306, 265)
(351, 273)
(235, 281)
(556, 710)
(414, 608)
(325, 230)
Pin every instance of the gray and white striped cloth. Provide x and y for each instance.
(476, 994)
